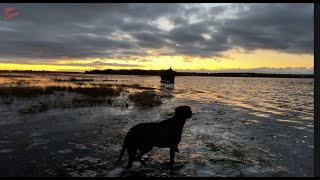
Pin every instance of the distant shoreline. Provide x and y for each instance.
(157, 73)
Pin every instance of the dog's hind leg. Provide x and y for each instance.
(132, 154)
(143, 152)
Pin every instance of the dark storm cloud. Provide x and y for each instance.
(217, 10)
(283, 27)
(179, 20)
(53, 31)
(149, 40)
(189, 34)
(137, 27)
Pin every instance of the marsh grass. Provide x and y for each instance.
(21, 91)
(134, 86)
(110, 80)
(79, 101)
(95, 92)
(123, 86)
(84, 96)
(71, 79)
(21, 83)
(33, 91)
(15, 76)
(145, 99)
(138, 86)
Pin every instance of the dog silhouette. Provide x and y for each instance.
(145, 136)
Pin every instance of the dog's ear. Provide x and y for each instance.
(178, 110)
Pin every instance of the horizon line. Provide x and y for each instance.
(179, 70)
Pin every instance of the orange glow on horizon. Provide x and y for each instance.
(232, 60)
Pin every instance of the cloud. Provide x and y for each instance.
(149, 40)
(101, 64)
(52, 31)
(282, 27)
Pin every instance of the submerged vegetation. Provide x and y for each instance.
(145, 99)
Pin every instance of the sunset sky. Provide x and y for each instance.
(275, 38)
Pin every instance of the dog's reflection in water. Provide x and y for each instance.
(145, 136)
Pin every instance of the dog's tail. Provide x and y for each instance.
(124, 147)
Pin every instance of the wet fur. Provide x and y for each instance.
(145, 136)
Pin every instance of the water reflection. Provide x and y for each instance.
(167, 88)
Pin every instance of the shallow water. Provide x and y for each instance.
(239, 127)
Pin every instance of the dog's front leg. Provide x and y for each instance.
(176, 147)
(172, 154)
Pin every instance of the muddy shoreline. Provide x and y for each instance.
(221, 139)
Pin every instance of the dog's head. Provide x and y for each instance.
(183, 112)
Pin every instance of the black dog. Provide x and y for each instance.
(145, 136)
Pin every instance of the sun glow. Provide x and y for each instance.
(229, 60)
